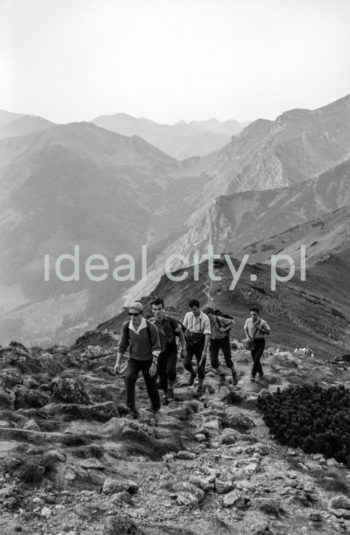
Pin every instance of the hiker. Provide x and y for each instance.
(256, 328)
(308, 351)
(197, 341)
(168, 329)
(142, 338)
(220, 339)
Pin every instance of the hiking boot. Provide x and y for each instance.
(222, 380)
(191, 379)
(171, 396)
(261, 375)
(199, 390)
(252, 378)
(134, 414)
(165, 400)
(234, 377)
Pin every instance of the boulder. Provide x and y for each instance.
(240, 422)
(121, 524)
(339, 502)
(68, 390)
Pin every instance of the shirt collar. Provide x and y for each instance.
(142, 325)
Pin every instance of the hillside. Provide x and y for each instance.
(79, 185)
(298, 145)
(72, 461)
(24, 125)
(315, 311)
(181, 140)
(82, 185)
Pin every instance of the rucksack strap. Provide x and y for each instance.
(148, 327)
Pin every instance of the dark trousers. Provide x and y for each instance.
(132, 372)
(257, 353)
(167, 365)
(196, 350)
(214, 348)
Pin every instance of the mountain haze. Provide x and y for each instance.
(298, 145)
(180, 140)
(273, 187)
(24, 125)
(79, 184)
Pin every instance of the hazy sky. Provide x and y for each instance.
(71, 60)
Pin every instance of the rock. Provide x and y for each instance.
(342, 513)
(121, 524)
(339, 502)
(240, 422)
(250, 468)
(26, 398)
(46, 512)
(9, 378)
(203, 483)
(110, 486)
(315, 517)
(185, 488)
(31, 425)
(230, 436)
(185, 455)
(186, 499)
(122, 497)
(200, 437)
(92, 463)
(98, 411)
(7, 399)
(51, 457)
(18, 347)
(261, 448)
(69, 390)
(236, 499)
(332, 462)
(222, 487)
(269, 506)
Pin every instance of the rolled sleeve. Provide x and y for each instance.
(185, 321)
(206, 324)
(155, 340)
(266, 326)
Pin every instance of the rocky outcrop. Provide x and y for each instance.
(72, 461)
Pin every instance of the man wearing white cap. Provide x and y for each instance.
(142, 338)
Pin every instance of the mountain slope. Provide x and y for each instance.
(315, 311)
(321, 237)
(297, 146)
(235, 223)
(8, 116)
(24, 125)
(80, 185)
(180, 140)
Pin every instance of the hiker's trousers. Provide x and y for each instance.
(132, 372)
(257, 353)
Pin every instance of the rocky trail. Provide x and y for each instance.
(72, 462)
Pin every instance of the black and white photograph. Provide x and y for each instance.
(174, 267)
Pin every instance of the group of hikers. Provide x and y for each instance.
(153, 348)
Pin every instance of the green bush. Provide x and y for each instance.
(312, 418)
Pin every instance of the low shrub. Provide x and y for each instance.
(310, 417)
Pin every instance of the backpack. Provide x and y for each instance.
(161, 334)
(219, 322)
(183, 328)
(218, 312)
